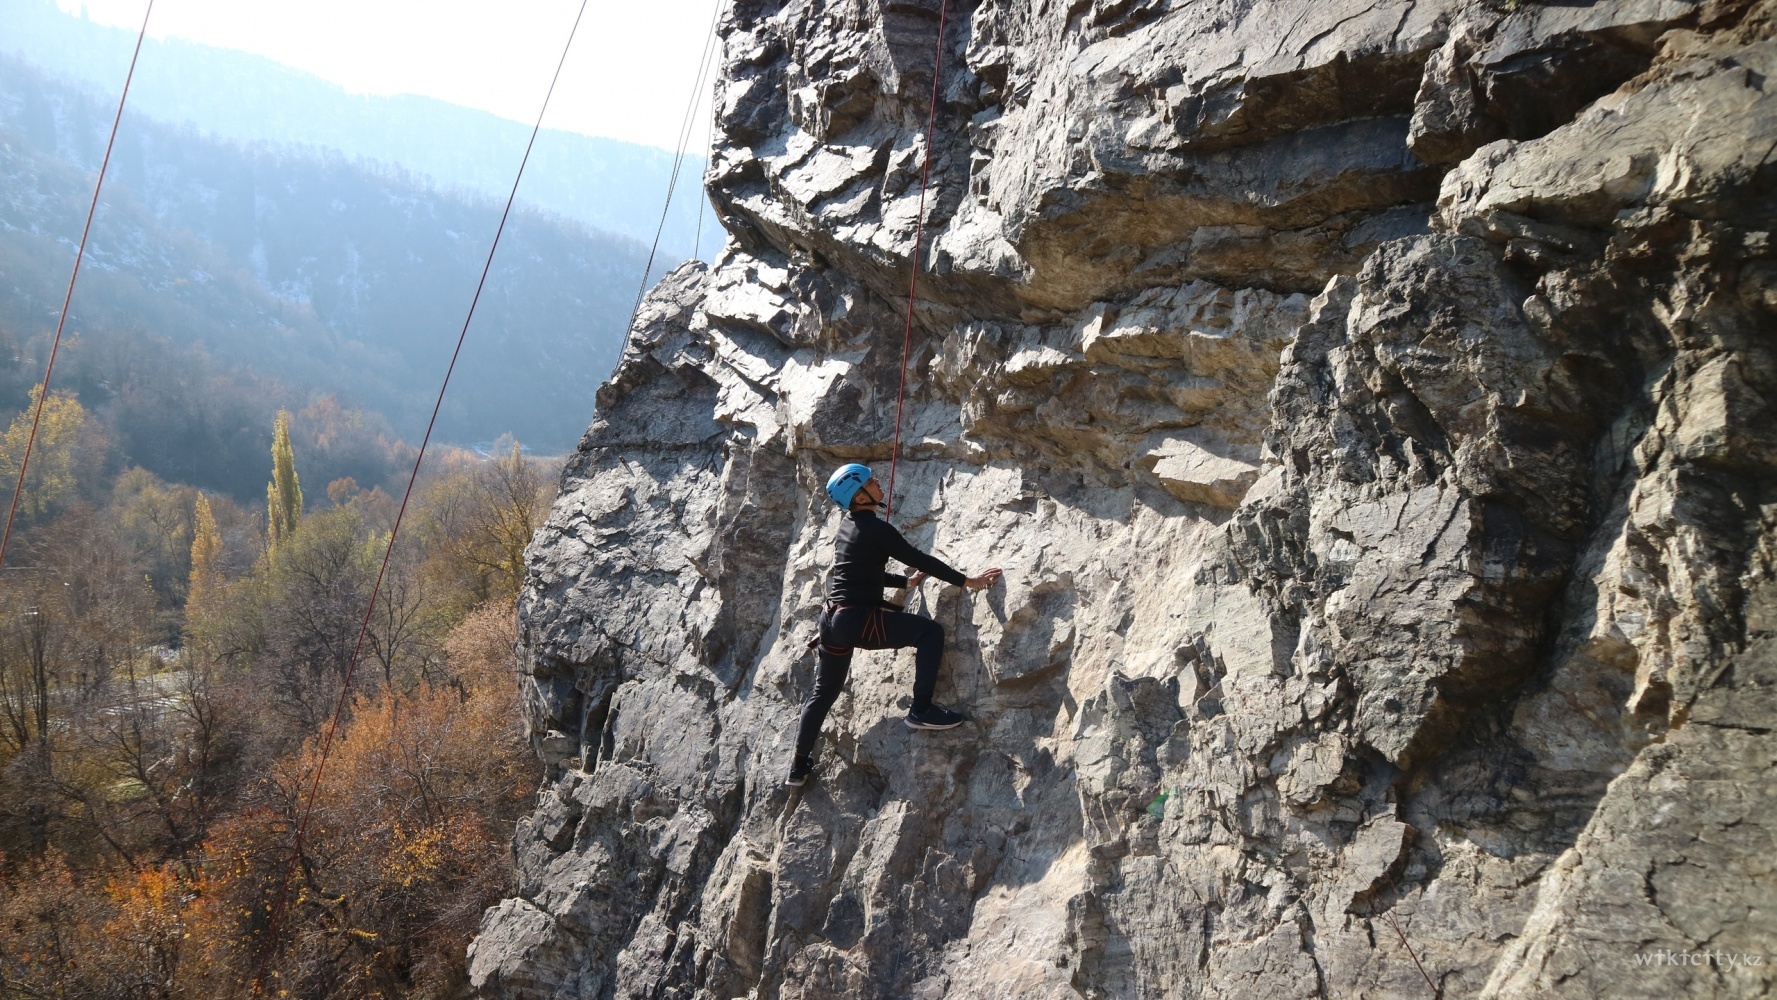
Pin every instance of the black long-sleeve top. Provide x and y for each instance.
(866, 544)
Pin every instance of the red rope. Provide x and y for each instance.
(55, 346)
(919, 223)
(1436, 992)
(395, 532)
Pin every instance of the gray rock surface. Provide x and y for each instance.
(1370, 405)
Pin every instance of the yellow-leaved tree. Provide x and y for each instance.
(204, 589)
(69, 450)
(477, 519)
(283, 495)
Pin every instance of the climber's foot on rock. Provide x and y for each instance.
(933, 717)
(800, 769)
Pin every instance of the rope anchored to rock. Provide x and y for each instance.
(919, 222)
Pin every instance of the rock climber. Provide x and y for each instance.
(856, 615)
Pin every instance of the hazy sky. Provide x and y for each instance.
(628, 77)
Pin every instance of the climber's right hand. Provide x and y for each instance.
(983, 581)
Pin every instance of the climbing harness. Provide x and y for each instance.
(874, 630)
(18, 491)
(919, 222)
(271, 933)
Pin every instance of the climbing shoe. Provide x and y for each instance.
(800, 769)
(933, 717)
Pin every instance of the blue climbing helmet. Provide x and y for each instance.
(845, 484)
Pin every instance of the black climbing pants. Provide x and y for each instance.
(843, 629)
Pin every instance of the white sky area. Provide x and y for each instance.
(629, 76)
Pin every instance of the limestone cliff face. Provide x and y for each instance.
(1370, 402)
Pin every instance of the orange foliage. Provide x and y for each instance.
(405, 849)
(149, 920)
(407, 842)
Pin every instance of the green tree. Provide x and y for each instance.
(283, 496)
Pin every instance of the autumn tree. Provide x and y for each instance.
(224, 605)
(406, 846)
(310, 604)
(150, 791)
(283, 495)
(76, 618)
(342, 443)
(68, 453)
(205, 580)
(154, 518)
(104, 595)
(478, 518)
(76, 611)
(29, 657)
(54, 942)
(32, 639)
(407, 629)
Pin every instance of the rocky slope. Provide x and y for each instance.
(1369, 401)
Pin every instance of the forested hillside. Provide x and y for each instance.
(169, 664)
(321, 274)
(251, 355)
(609, 185)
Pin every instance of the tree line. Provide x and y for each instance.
(169, 660)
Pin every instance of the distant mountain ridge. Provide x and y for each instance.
(327, 274)
(603, 183)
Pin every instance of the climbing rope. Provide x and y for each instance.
(308, 808)
(1437, 992)
(703, 203)
(925, 177)
(55, 346)
(672, 183)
